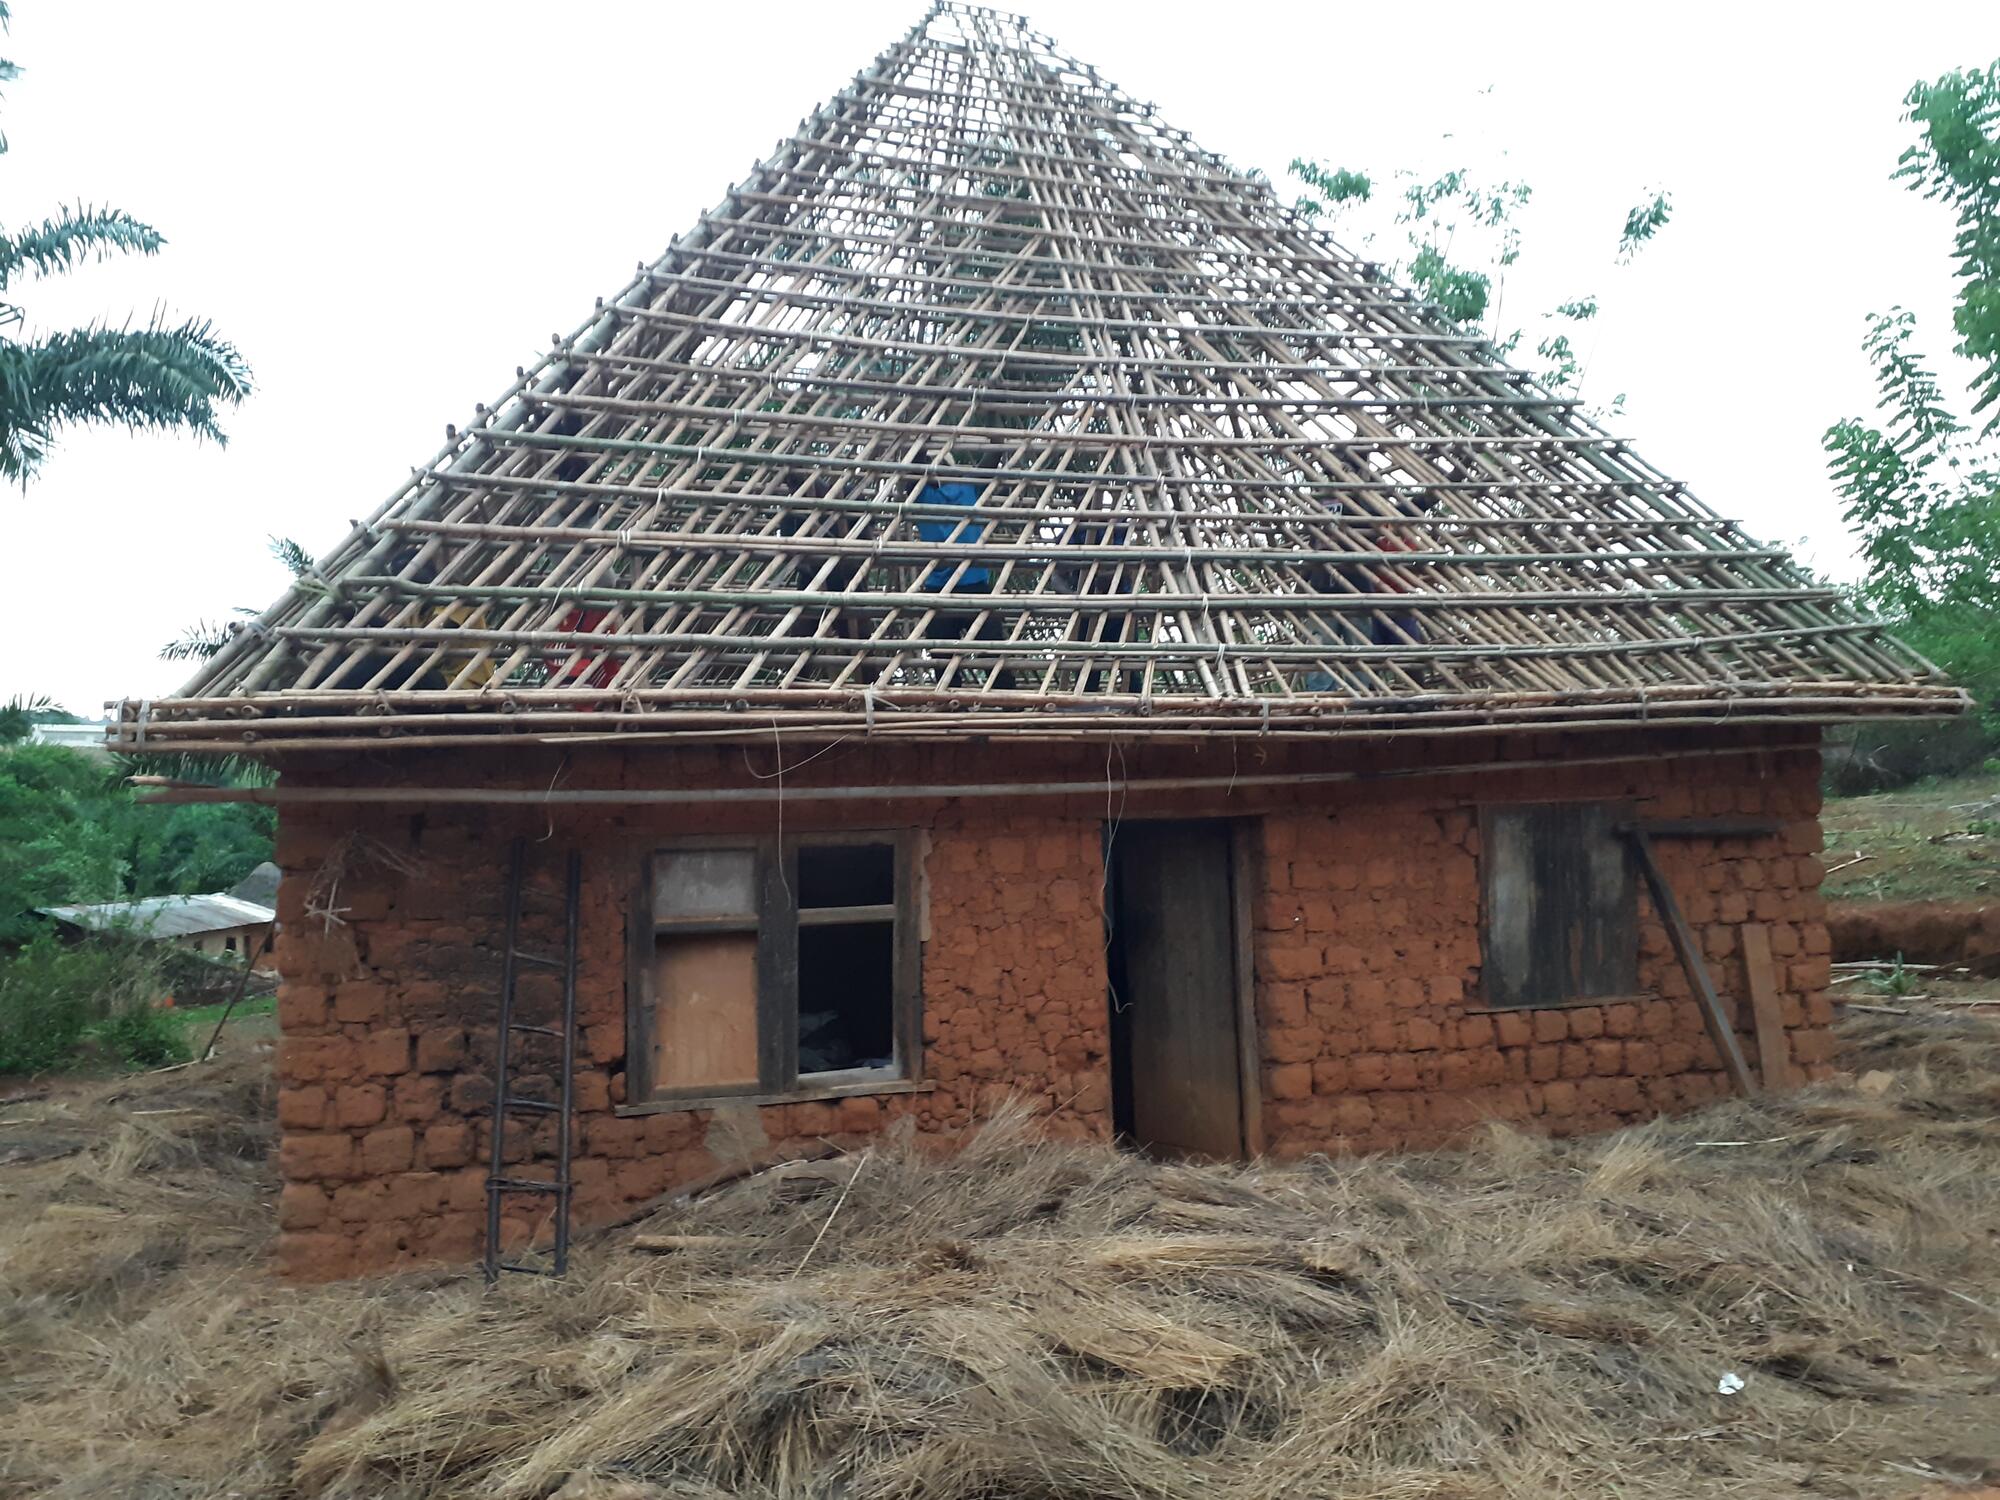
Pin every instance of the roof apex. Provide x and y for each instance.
(991, 404)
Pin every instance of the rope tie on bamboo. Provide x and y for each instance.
(868, 709)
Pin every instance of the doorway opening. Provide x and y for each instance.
(1182, 1034)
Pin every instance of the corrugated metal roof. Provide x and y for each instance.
(165, 916)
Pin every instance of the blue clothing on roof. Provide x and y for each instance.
(939, 530)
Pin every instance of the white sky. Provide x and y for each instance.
(389, 204)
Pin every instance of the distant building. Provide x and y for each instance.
(221, 925)
(259, 887)
(85, 739)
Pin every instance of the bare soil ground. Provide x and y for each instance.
(1522, 1318)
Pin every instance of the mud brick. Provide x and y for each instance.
(1621, 1020)
(390, 1149)
(447, 1143)
(1292, 1080)
(360, 1001)
(1551, 1025)
(327, 1157)
(302, 1205)
(1369, 1071)
(441, 1049)
(360, 1104)
(1475, 1031)
(1586, 1022)
(302, 1007)
(418, 1098)
(302, 1108)
(386, 1053)
(1515, 1029)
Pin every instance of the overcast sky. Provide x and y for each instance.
(389, 204)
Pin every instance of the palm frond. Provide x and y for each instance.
(199, 641)
(157, 377)
(19, 713)
(188, 765)
(298, 562)
(74, 235)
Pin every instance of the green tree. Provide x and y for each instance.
(20, 714)
(71, 832)
(1921, 486)
(1459, 235)
(164, 375)
(60, 839)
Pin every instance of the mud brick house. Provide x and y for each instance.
(1005, 607)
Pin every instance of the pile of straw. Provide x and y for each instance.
(1522, 1318)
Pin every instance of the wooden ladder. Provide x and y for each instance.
(507, 1105)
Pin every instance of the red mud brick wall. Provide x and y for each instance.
(1373, 1032)
(385, 1061)
(1367, 960)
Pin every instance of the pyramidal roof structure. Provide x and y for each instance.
(989, 404)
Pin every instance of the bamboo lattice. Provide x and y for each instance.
(1224, 477)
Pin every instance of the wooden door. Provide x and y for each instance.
(1174, 924)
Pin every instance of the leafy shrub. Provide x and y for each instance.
(144, 1035)
(54, 995)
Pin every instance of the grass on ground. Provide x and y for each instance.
(1522, 1318)
(1936, 841)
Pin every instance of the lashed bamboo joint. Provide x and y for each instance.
(988, 403)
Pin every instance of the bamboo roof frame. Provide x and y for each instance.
(1230, 479)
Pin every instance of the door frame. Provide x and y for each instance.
(1244, 871)
(1246, 864)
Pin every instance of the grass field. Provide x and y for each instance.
(256, 1016)
(1932, 842)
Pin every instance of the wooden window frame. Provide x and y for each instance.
(777, 922)
(1617, 811)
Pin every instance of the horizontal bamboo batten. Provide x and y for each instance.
(1222, 477)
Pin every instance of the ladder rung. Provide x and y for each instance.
(521, 1270)
(537, 958)
(541, 1106)
(524, 1185)
(534, 1030)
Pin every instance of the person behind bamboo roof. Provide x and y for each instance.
(956, 577)
(416, 672)
(798, 496)
(1100, 576)
(1386, 627)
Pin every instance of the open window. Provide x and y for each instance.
(773, 968)
(1560, 917)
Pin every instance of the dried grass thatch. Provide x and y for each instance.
(1524, 1318)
